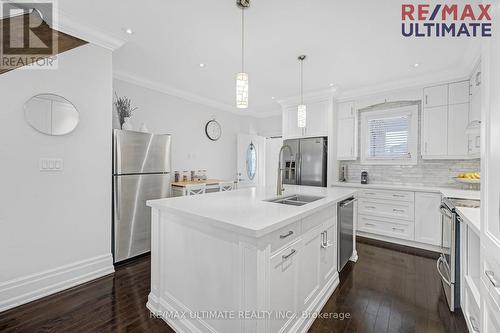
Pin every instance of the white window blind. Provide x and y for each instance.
(389, 137)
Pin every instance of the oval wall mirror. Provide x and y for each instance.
(51, 114)
(251, 161)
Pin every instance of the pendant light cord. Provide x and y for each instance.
(301, 81)
(242, 40)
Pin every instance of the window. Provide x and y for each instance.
(389, 136)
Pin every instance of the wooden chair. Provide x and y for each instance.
(226, 186)
(195, 189)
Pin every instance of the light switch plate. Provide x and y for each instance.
(51, 164)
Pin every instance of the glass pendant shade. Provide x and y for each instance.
(301, 116)
(242, 90)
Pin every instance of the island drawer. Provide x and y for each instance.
(385, 208)
(387, 194)
(386, 227)
(283, 236)
(328, 214)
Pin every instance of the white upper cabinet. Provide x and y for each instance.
(458, 119)
(434, 132)
(436, 96)
(347, 131)
(428, 218)
(316, 121)
(445, 118)
(290, 128)
(475, 95)
(458, 93)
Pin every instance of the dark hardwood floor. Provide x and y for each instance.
(387, 290)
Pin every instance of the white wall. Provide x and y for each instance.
(55, 227)
(185, 121)
(269, 126)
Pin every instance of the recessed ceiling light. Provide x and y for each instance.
(128, 31)
(416, 65)
(331, 84)
(273, 97)
(202, 65)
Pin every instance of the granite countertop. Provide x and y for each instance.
(244, 211)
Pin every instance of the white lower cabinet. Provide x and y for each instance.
(412, 217)
(283, 285)
(300, 270)
(428, 218)
(328, 253)
(310, 267)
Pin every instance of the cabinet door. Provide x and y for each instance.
(346, 110)
(328, 254)
(458, 92)
(283, 287)
(436, 96)
(428, 218)
(290, 128)
(317, 119)
(435, 128)
(346, 139)
(309, 275)
(458, 119)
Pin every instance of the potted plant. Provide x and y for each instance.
(123, 109)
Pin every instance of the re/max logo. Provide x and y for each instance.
(423, 20)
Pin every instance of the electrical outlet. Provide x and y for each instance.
(51, 164)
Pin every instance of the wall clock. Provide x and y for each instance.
(213, 130)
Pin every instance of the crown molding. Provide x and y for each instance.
(185, 95)
(404, 84)
(312, 96)
(69, 25)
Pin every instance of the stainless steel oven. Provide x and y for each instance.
(448, 264)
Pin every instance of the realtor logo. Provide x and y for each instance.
(27, 36)
(446, 20)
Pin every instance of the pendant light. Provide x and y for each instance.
(301, 108)
(242, 77)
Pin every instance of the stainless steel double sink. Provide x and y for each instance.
(294, 199)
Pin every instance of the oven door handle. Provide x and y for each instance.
(438, 267)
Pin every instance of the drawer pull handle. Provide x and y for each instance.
(325, 243)
(285, 257)
(370, 193)
(398, 210)
(370, 224)
(286, 235)
(398, 229)
(473, 323)
(370, 207)
(491, 276)
(398, 195)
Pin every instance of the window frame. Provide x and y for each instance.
(410, 111)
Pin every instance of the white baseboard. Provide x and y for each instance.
(399, 241)
(29, 288)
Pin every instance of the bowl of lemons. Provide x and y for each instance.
(469, 178)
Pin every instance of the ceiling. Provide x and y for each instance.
(351, 44)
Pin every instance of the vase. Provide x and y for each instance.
(127, 125)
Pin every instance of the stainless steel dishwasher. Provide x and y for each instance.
(345, 226)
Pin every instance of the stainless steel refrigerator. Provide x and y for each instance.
(141, 171)
(307, 164)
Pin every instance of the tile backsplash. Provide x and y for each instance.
(438, 173)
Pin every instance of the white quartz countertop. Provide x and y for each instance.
(471, 216)
(244, 211)
(445, 191)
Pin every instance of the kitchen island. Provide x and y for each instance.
(234, 262)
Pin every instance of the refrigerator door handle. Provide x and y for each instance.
(299, 169)
(117, 198)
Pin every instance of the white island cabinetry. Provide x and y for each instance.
(232, 262)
